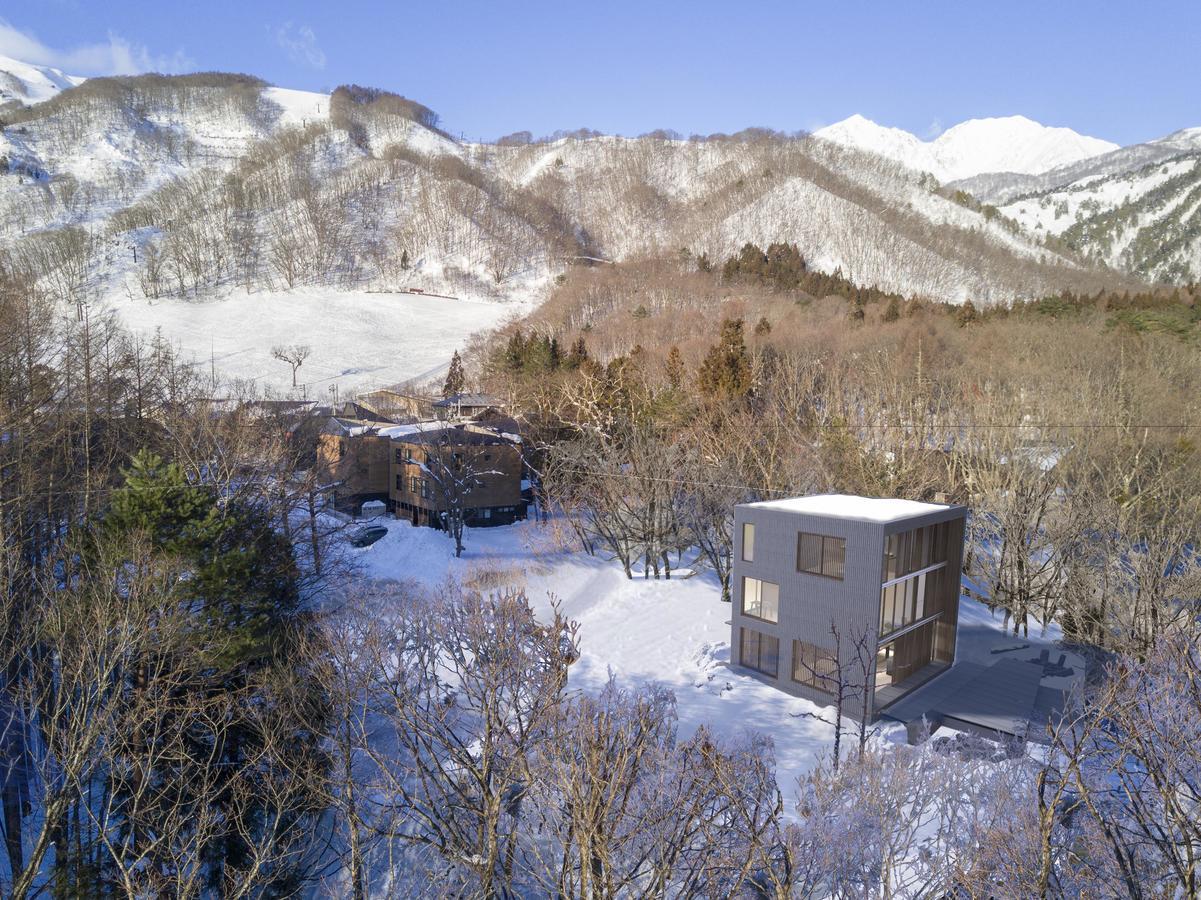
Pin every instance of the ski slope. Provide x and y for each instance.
(359, 339)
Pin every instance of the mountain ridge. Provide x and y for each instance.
(1014, 144)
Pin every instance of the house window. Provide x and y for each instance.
(760, 599)
(414, 484)
(425, 489)
(820, 554)
(760, 652)
(814, 666)
(748, 542)
(400, 482)
(400, 457)
(341, 449)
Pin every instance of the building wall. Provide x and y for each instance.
(360, 462)
(497, 492)
(809, 604)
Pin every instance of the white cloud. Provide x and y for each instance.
(301, 45)
(116, 56)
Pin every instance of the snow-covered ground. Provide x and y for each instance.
(674, 632)
(359, 339)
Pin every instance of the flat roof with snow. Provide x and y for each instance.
(848, 506)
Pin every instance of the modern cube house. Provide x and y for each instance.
(834, 589)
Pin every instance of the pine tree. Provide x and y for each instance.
(966, 314)
(577, 354)
(404, 259)
(242, 578)
(237, 592)
(726, 370)
(892, 312)
(674, 368)
(762, 327)
(455, 378)
(515, 352)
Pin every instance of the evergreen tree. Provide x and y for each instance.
(726, 370)
(237, 592)
(966, 314)
(762, 327)
(577, 354)
(455, 378)
(514, 354)
(674, 368)
(892, 312)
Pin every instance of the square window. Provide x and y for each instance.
(760, 652)
(820, 554)
(760, 599)
(814, 666)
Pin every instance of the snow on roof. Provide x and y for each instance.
(467, 399)
(397, 431)
(847, 506)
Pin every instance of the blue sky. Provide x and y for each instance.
(1127, 72)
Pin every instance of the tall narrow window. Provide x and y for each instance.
(760, 599)
(748, 542)
(820, 554)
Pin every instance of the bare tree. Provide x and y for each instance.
(292, 354)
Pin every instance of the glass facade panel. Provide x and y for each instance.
(905, 602)
(760, 599)
(748, 542)
(910, 551)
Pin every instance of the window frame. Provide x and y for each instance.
(748, 556)
(760, 638)
(746, 579)
(822, 683)
(823, 554)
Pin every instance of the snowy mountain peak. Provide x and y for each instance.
(1003, 144)
(27, 83)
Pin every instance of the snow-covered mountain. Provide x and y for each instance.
(171, 196)
(1008, 144)
(1137, 209)
(26, 83)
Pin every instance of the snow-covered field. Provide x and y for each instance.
(674, 632)
(359, 339)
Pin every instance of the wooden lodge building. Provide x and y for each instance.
(423, 469)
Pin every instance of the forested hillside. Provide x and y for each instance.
(192, 184)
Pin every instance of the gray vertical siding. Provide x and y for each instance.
(810, 603)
